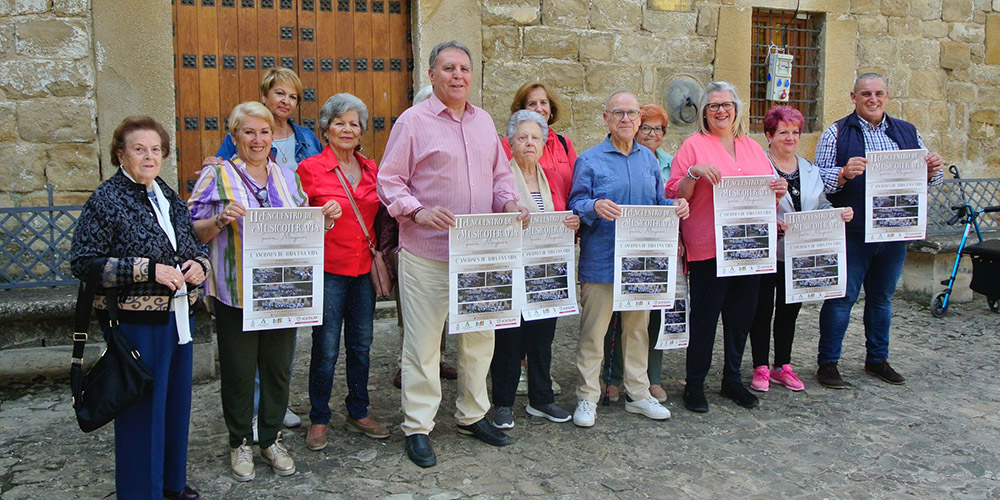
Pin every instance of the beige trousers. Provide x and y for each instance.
(596, 302)
(423, 285)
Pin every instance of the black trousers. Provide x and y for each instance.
(533, 338)
(784, 321)
(736, 299)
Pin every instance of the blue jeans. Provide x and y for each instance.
(349, 302)
(877, 267)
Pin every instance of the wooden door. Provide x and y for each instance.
(222, 48)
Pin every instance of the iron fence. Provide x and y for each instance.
(979, 193)
(35, 245)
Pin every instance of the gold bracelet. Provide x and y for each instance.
(218, 224)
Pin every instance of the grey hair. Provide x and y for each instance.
(336, 106)
(453, 44)
(526, 115)
(868, 76)
(423, 95)
(739, 130)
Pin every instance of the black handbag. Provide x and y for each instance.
(117, 381)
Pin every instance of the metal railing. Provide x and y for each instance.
(979, 193)
(35, 245)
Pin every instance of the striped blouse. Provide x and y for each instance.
(220, 185)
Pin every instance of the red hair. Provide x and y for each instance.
(649, 112)
(780, 114)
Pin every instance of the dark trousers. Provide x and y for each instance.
(736, 299)
(151, 437)
(784, 321)
(533, 338)
(241, 354)
(614, 361)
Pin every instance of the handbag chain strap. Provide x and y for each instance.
(354, 205)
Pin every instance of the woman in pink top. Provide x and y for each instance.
(719, 149)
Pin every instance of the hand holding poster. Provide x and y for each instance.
(896, 196)
(674, 323)
(815, 255)
(485, 274)
(645, 257)
(549, 267)
(745, 227)
(282, 268)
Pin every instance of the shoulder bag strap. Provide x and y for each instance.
(84, 303)
(354, 205)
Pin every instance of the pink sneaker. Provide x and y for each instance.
(760, 377)
(786, 377)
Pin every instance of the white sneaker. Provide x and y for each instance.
(291, 419)
(254, 425)
(648, 407)
(278, 457)
(585, 414)
(241, 462)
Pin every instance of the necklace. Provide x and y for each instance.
(351, 178)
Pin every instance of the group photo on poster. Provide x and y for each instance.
(549, 267)
(645, 257)
(674, 321)
(745, 228)
(283, 268)
(815, 255)
(485, 273)
(896, 195)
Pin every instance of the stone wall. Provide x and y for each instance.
(941, 58)
(48, 132)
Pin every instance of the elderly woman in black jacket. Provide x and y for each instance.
(135, 242)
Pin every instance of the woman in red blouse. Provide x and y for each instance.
(348, 295)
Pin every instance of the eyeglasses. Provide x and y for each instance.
(619, 114)
(715, 106)
(261, 195)
(646, 129)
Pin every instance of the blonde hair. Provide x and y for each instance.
(275, 76)
(249, 109)
(739, 130)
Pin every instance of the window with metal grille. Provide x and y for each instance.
(798, 33)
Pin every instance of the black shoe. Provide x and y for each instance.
(828, 376)
(694, 397)
(420, 451)
(483, 431)
(739, 394)
(884, 372)
(188, 493)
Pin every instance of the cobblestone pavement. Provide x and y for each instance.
(938, 436)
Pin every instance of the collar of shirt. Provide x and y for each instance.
(609, 147)
(874, 128)
(438, 107)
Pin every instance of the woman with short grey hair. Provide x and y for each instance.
(525, 115)
(341, 173)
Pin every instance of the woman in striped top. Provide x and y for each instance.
(526, 133)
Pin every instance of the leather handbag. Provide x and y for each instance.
(117, 381)
(381, 278)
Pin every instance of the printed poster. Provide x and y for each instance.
(282, 268)
(815, 256)
(896, 196)
(549, 267)
(674, 322)
(745, 226)
(485, 273)
(645, 257)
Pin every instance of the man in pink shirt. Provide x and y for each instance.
(443, 158)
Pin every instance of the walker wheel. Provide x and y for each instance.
(938, 310)
(994, 303)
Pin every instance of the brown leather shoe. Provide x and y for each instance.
(884, 372)
(398, 379)
(448, 372)
(828, 376)
(368, 427)
(316, 438)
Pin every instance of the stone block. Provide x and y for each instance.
(865, 7)
(27, 78)
(904, 27)
(6, 38)
(934, 29)
(925, 9)
(57, 120)
(566, 13)
(566, 77)
(920, 54)
(502, 43)
(641, 49)
(597, 46)
(927, 84)
(956, 10)
(968, 33)
(895, 8)
(22, 166)
(923, 273)
(961, 91)
(605, 79)
(504, 78)
(510, 12)
(558, 43)
(708, 20)
(73, 167)
(670, 23)
(41, 198)
(983, 124)
(992, 39)
(872, 26)
(618, 15)
(955, 55)
(978, 53)
(876, 52)
(668, 5)
(70, 7)
(22, 7)
(68, 39)
(8, 121)
(694, 51)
